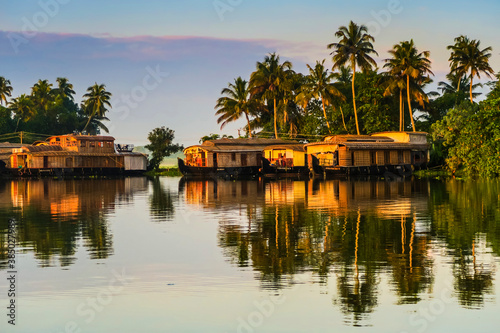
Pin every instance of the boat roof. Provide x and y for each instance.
(295, 147)
(85, 137)
(238, 145)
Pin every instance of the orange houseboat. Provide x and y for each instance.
(75, 154)
(394, 152)
(231, 158)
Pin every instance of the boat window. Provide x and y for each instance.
(233, 156)
(92, 144)
(387, 157)
(83, 143)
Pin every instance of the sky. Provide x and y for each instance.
(166, 62)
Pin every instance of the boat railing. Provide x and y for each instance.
(196, 162)
(327, 162)
(282, 162)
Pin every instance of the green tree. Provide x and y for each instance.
(354, 47)
(23, 108)
(161, 145)
(5, 90)
(42, 94)
(236, 103)
(64, 88)
(267, 81)
(467, 56)
(95, 102)
(319, 85)
(414, 66)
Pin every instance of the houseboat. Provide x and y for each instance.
(229, 158)
(285, 160)
(74, 154)
(396, 153)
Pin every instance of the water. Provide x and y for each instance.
(168, 255)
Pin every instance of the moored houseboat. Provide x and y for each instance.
(380, 153)
(285, 160)
(74, 154)
(232, 158)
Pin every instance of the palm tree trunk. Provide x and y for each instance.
(354, 95)
(471, 78)
(88, 122)
(401, 120)
(17, 124)
(275, 121)
(249, 129)
(324, 113)
(343, 121)
(409, 101)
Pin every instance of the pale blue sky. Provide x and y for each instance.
(116, 42)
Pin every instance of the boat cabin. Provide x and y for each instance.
(368, 154)
(75, 154)
(229, 153)
(286, 156)
(83, 143)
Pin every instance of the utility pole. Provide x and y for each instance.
(21, 136)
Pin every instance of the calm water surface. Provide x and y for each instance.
(169, 255)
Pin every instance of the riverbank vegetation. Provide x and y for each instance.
(357, 95)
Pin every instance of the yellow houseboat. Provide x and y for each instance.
(75, 154)
(379, 153)
(285, 160)
(231, 158)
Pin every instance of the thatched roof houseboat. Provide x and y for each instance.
(74, 154)
(395, 152)
(227, 157)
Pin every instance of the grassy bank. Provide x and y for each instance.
(169, 172)
(438, 173)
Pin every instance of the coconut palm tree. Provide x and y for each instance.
(23, 108)
(64, 88)
(236, 103)
(467, 56)
(318, 85)
(343, 79)
(407, 62)
(396, 84)
(456, 84)
(5, 90)
(95, 101)
(354, 47)
(42, 94)
(267, 81)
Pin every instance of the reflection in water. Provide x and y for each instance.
(466, 216)
(161, 201)
(353, 232)
(55, 217)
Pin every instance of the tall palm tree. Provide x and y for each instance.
(64, 88)
(23, 108)
(268, 79)
(5, 90)
(343, 79)
(95, 101)
(42, 94)
(236, 103)
(396, 84)
(456, 84)
(406, 61)
(354, 47)
(318, 85)
(467, 56)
